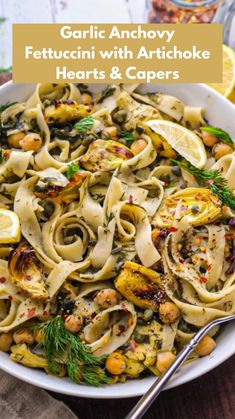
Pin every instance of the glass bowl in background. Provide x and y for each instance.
(182, 11)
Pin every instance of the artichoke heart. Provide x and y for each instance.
(136, 111)
(140, 285)
(26, 272)
(64, 112)
(199, 205)
(22, 355)
(105, 155)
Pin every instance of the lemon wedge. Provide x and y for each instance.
(226, 88)
(182, 140)
(9, 227)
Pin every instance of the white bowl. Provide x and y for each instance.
(219, 112)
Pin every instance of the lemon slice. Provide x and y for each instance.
(9, 227)
(227, 86)
(184, 141)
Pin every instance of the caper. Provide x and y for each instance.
(176, 170)
(119, 117)
(141, 321)
(39, 188)
(73, 231)
(165, 178)
(139, 129)
(49, 207)
(148, 314)
(88, 140)
(195, 209)
(139, 338)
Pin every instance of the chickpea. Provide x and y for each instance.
(208, 139)
(87, 99)
(38, 335)
(115, 363)
(14, 139)
(138, 146)
(23, 336)
(107, 297)
(221, 150)
(73, 323)
(164, 360)
(205, 346)
(6, 341)
(168, 312)
(119, 116)
(110, 132)
(31, 142)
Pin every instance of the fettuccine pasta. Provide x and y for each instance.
(107, 228)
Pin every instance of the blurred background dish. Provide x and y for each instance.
(183, 11)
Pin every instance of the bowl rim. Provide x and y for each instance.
(26, 375)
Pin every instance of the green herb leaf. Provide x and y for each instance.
(72, 169)
(129, 136)
(1, 157)
(213, 180)
(85, 124)
(62, 347)
(219, 133)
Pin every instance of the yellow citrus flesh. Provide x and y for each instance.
(182, 140)
(9, 227)
(227, 87)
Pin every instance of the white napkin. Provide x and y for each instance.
(19, 400)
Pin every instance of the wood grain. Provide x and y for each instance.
(211, 396)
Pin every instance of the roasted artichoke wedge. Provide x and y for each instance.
(105, 155)
(20, 353)
(136, 112)
(26, 272)
(65, 112)
(142, 286)
(199, 205)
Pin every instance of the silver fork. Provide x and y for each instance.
(145, 402)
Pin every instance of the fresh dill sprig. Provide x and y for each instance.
(214, 180)
(63, 348)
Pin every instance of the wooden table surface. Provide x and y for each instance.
(211, 396)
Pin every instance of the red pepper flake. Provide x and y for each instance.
(21, 315)
(45, 313)
(229, 236)
(10, 298)
(202, 279)
(209, 267)
(133, 345)
(130, 200)
(31, 312)
(173, 229)
(2, 279)
(198, 197)
(6, 155)
(124, 308)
